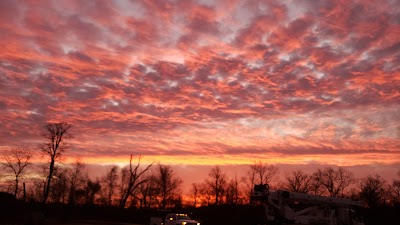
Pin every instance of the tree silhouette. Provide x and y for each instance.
(264, 172)
(77, 178)
(110, 184)
(194, 192)
(92, 188)
(333, 182)
(206, 192)
(249, 180)
(16, 160)
(167, 183)
(233, 192)
(54, 146)
(396, 190)
(298, 181)
(373, 190)
(147, 191)
(132, 181)
(59, 186)
(217, 183)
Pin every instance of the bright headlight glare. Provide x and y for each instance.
(198, 223)
(183, 223)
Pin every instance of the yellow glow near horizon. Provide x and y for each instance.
(342, 160)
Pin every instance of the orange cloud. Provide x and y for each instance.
(204, 82)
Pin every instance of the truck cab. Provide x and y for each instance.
(179, 219)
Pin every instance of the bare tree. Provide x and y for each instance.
(92, 188)
(395, 190)
(264, 173)
(217, 183)
(59, 188)
(206, 192)
(110, 184)
(167, 184)
(194, 192)
(16, 160)
(77, 180)
(298, 181)
(37, 189)
(233, 193)
(147, 191)
(333, 182)
(250, 180)
(373, 191)
(54, 146)
(132, 180)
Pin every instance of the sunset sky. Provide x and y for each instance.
(205, 82)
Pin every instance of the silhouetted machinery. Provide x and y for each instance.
(286, 208)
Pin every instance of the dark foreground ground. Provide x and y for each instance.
(85, 215)
(58, 214)
(221, 215)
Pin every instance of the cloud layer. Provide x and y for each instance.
(205, 82)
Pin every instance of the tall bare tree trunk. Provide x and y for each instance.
(54, 147)
(47, 186)
(24, 192)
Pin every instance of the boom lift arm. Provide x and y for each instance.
(284, 207)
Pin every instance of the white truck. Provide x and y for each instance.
(284, 207)
(173, 219)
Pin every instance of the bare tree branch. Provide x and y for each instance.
(217, 183)
(54, 146)
(133, 181)
(298, 181)
(16, 160)
(332, 181)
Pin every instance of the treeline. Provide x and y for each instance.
(158, 186)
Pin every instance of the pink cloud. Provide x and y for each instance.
(195, 79)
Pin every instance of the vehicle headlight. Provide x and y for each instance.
(183, 223)
(198, 223)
